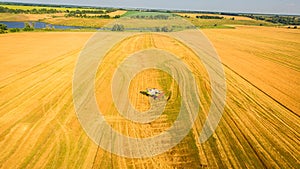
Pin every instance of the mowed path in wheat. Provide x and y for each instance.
(39, 127)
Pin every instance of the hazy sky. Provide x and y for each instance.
(258, 6)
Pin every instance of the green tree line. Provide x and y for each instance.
(54, 10)
(209, 17)
(31, 11)
(28, 27)
(285, 20)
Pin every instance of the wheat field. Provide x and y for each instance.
(259, 128)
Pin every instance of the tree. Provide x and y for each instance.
(118, 28)
(165, 29)
(117, 16)
(3, 28)
(28, 26)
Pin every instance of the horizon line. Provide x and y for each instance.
(151, 8)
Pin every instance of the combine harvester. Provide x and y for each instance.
(154, 93)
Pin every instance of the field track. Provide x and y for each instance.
(39, 127)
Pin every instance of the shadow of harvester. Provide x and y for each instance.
(146, 94)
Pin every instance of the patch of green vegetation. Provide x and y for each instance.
(14, 30)
(129, 13)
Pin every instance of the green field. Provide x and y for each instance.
(141, 13)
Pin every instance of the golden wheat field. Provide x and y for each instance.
(259, 128)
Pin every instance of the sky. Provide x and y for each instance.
(246, 6)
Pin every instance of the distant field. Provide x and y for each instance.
(226, 22)
(57, 19)
(193, 15)
(134, 20)
(39, 127)
(118, 12)
(149, 23)
(45, 7)
(71, 21)
(202, 23)
(27, 17)
(206, 23)
(173, 22)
